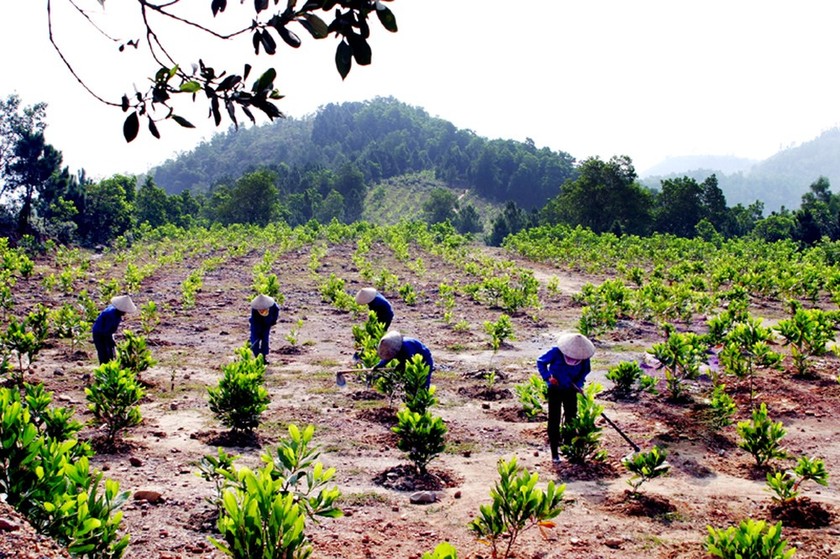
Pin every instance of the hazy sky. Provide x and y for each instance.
(649, 79)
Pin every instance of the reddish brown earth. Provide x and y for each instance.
(712, 481)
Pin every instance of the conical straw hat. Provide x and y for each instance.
(124, 303)
(389, 345)
(262, 302)
(576, 346)
(365, 296)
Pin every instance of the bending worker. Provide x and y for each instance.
(106, 324)
(564, 368)
(377, 303)
(394, 345)
(264, 315)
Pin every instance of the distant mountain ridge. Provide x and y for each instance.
(778, 181)
(385, 138)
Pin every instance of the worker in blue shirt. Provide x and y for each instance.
(394, 345)
(564, 368)
(264, 315)
(378, 304)
(106, 324)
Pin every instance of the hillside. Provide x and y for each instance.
(403, 198)
(778, 181)
(380, 139)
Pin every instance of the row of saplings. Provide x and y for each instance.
(45, 473)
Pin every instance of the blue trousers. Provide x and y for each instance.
(259, 343)
(106, 348)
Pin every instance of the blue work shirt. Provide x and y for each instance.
(410, 347)
(553, 364)
(261, 324)
(107, 322)
(382, 308)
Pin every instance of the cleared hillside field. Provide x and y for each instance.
(711, 481)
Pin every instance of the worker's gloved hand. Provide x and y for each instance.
(553, 381)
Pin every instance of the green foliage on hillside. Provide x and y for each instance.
(779, 181)
(382, 138)
(401, 198)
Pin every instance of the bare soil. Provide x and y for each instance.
(712, 481)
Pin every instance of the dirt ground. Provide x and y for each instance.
(712, 481)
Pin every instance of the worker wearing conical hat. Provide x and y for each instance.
(106, 324)
(564, 368)
(394, 345)
(264, 315)
(377, 303)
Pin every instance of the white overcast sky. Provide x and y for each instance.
(645, 78)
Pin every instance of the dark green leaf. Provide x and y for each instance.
(315, 25)
(257, 40)
(214, 108)
(218, 6)
(247, 72)
(260, 5)
(153, 129)
(229, 82)
(266, 81)
(124, 103)
(231, 112)
(343, 59)
(182, 121)
(386, 18)
(361, 49)
(131, 126)
(268, 43)
(289, 38)
(247, 111)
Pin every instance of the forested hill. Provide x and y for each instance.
(778, 181)
(382, 138)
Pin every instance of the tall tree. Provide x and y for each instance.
(33, 163)
(109, 209)
(604, 197)
(679, 206)
(440, 206)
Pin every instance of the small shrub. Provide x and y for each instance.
(762, 437)
(645, 466)
(629, 379)
(415, 394)
(132, 353)
(785, 485)
(422, 436)
(149, 317)
(681, 355)
(240, 397)
(25, 345)
(292, 335)
(408, 294)
(532, 395)
(584, 434)
(295, 465)
(751, 538)
(258, 521)
(113, 395)
(499, 331)
(517, 506)
(722, 408)
(807, 333)
(216, 469)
